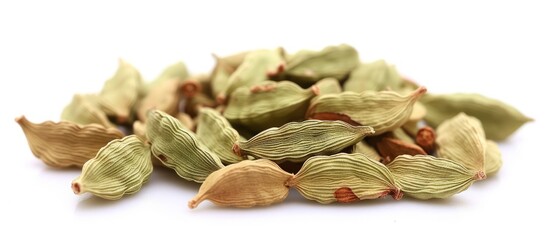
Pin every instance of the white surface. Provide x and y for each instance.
(50, 50)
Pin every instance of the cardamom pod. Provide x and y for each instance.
(425, 138)
(297, 141)
(256, 67)
(462, 138)
(234, 60)
(328, 86)
(307, 67)
(374, 76)
(164, 96)
(175, 71)
(499, 119)
(390, 147)
(220, 79)
(121, 167)
(178, 148)
(366, 149)
(245, 184)
(426, 177)
(268, 104)
(492, 161)
(217, 134)
(66, 144)
(384, 111)
(121, 93)
(344, 178)
(84, 109)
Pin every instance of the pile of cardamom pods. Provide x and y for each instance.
(264, 121)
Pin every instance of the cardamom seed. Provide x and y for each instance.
(121, 167)
(307, 67)
(66, 144)
(344, 178)
(492, 161)
(217, 134)
(462, 138)
(268, 104)
(177, 148)
(426, 177)
(374, 76)
(297, 141)
(384, 111)
(245, 184)
(499, 119)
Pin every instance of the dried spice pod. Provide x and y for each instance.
(328, 86)
(175, 71)
(217, 134)
(499, 119)
(163, 96)
(426, 177)
(492, 161)
(269, 104)
(245, 184)
(233, 60)
(121, 93)
(307, 67)
(344, 178)
(425, 138)
(140, 130)
(220, 79)
(186, 121)
(374, 76)
(384, 111)
(366, 149)
(121, 167)
(179, 149)
(66, 144)
(462, 139)
(84, 109)
(197, 101)
(297, 141)
(256, 67)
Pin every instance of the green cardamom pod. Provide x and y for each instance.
(121, 167)
(364, 148)
(492, 161)
(374, 76)
(328, 86)
(307, 67)
(297, 141)
(66, 144)
(220, 79)
(178, 148)
(499, 119)
(462, 138)
(84, 109)
(426, 177)
(256, 67)
(234, 60)
(384, 111)
(175, 71)
(121, 93)
(245, 184)
(344, 178)
(217, 134)
(163, 96)
(269, 104)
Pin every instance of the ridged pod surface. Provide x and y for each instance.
(217, 134)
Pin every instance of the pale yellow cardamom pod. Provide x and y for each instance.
(493, 161)
(374, 76)
(425, 177)
(462, 138)
(344, 178)
(297, 141)
(328, 86)
(384, 111)
(179, 149)
(366, 149)
(268, 104)
(84, 109)
(163, 96)
(245, 184)
(121, 93)
(217, 134)
(121, 167)
(66, 144)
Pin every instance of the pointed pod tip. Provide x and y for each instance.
(480, 176)
(20, 119)
(76, 187)
(420, 91)
(192, 204)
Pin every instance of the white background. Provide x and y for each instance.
(50, 50)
